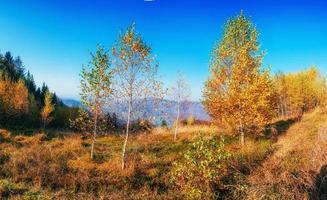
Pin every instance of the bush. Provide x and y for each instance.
(191, 120)
(164, 123)
(11, 190)
(8, 189)
(203, 165)
(4, 136)
(141, 125)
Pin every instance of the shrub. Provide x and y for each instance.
(203, 165)
(4, 136)
(164, 123)
(8, 189)
(11, 190)
(191, 120)
(141, 125)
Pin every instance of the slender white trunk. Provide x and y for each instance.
(242, 133)
(127, 132)
(177, 122)
(241, 124)
(94, 134)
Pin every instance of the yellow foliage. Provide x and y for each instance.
(238, 92)
(13, 98)
(47, 109)
(300, 92)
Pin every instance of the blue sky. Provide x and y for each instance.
(54, 37)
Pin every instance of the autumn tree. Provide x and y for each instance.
(47, 109)
(22, 101)
(322, 92)
(14, 102)
(180, 93)
(299, 92)
(279, 82)
(96, 87)
(135, 82)
(239, 92)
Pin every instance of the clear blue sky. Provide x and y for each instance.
(53, 38)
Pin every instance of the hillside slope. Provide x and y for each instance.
(298, 166)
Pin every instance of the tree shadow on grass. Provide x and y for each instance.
(279, 127)
(319, 189)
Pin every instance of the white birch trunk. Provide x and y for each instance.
(94, 134)
(177, 121)
(127, 132)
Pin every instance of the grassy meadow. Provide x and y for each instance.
(57, 165)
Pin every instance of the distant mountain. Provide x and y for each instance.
(72, 102)
(166, 110)
(190, 108)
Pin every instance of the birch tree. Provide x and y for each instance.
(135, 79)
(13, 101)
(239, 92)
(48, 108)
(180, 94)
(281, 94)
(299, 92)
(96, 87)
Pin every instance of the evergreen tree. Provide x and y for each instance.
(30, 83)
(20, 70)
(12, 75)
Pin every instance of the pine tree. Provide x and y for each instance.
(30, 83)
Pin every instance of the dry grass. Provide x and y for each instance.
(61, 166)
(58, 165)
(186, 132)
(293, 170)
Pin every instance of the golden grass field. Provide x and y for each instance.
(57, 165)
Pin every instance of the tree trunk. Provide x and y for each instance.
(127, 132)
(242, 137)
(177, 122)
(242, 133)
(94, 134)
(281, 108)
(241, 123)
